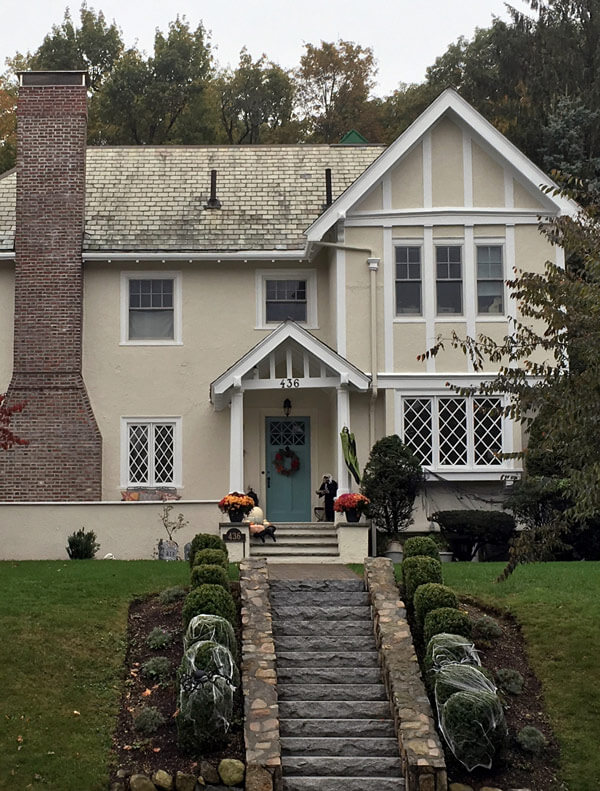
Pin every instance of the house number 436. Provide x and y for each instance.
(286, 383)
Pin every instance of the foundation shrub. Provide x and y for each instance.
(209, 574)
(486, 628)
(211, 557)
(209, 600)
(531, 740)
(419, 570)
(420, 545)
(460, 678)
(444, 649)
(432, 596)
(510, 680)
(148, 720)
(82, 545)
(473, 725)
(205, 541)
(159, 639)
(446, 619)
(210, 627)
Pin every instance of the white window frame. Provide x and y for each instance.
(177, 322)
(470, 465)
(309, 275)
(407, 317)
(481, 241)
(177, 451)
(450, 242)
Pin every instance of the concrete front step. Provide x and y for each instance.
(318, 643)
(333, 692)
(309, 612)
(294, 540)
(314, 746)
(343, 784)
(328, 675)
(297, 557)
(291, 532)
(321, 599)
(350, 728)
(322, 627)
(326, 659)
(334, 709)
(346, 766)
(325, 585)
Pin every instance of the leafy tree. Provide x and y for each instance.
(391, 479)
(8, 438)
(334, 84)
(8, 126)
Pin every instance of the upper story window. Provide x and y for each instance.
(286, 294)
(150, 308)
(453, 431)
(490, 279)
(151, 452)
(408, 281)
(448, 263)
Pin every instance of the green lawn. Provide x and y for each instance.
(62, 642)
(558, 607)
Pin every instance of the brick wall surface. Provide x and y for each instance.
(63, 459)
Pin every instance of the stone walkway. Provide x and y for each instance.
(310, 571)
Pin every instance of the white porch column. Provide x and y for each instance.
(343, 419)
(236, 441)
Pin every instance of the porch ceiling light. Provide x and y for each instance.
(287, 407)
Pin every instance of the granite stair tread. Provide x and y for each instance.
(345, 766)
(339, 746)
(329, 675)
(343, 783)
(326, 659)
(332, 692)
(352, 728)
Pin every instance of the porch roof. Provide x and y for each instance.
(290, 355)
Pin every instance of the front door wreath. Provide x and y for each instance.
(286, 461)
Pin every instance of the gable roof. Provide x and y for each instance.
(288, 336)
(148, 198)
(452, 104)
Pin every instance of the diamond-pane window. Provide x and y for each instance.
(487, 428)
(418, 428)
(151, 453)
(452, 425)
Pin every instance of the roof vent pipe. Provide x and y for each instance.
(213, 202)
(328, 194)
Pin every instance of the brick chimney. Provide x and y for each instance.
(63, 460)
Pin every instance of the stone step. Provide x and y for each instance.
(382, 728)
(326, 659)
(317, 643)
(328, 675)
(297, 557)
(319, 598)
(318, 585)
(296, 540)
(331, 692)
(303, 532)
(299, 783)
(333, 612)
(334, 709)
(342, 628)
(339, 746)
(347, 766)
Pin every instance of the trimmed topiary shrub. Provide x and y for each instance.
(486, 628)
(205, 541)
(474, 728)
(211, 557)
(432, 596)
(419, 570)
(159, 639)
(420, 545)
(510, 681)
(209, 574)
(210, 627)
(148, 720)
(444, 649)
(158, 668)
(448, 620)
(460, 678)
(209, 600)
(531, 740)
(171, 595)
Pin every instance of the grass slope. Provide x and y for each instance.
(558, 607)
(62, 642)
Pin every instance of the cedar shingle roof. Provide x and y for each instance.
(153, 198)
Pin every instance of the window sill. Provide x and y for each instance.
(409, 320)
(496, 473)
(151, 343)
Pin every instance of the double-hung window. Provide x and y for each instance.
(447, 431)
(151, 452)
(150, 308)
(408, 281)
(286, 294)
(448, 263)
(490, 279)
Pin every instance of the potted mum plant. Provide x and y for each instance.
(352, 505)
(236, 506)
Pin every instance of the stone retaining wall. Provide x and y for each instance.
(259, 678)
(422, 756)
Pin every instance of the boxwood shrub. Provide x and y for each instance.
(432, 596)
(211, 557)
(205, 541)
(420, 545)
(474, 727)
(419, 570)
(446, 619)
(209, 574)
(213, 628)
(210, 600)
(460, 678)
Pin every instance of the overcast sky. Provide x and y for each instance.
(406, 35)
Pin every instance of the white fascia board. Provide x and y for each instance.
(449, 100)
(237, 255)
(435, 382)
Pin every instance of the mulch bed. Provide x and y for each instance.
(159, 751)
(513, 768)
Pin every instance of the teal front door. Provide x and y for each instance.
(288, 469)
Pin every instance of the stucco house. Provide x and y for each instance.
(177, 316)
